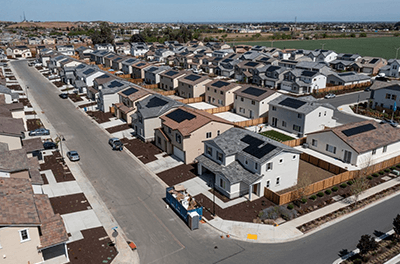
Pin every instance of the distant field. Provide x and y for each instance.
(376, 47)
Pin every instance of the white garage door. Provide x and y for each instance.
(179, 153)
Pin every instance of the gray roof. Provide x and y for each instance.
(351, 76)
(150, 107)
(114, 86)
(5, 90)
(392, 85)
(309, 106)
(11, 126)
(14, 161)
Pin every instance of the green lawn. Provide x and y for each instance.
(376, 47)
(275, 135)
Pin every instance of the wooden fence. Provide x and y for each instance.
(343, 176)
(343, 87)
(150, 86)
(252, 122)
(295, 142)
(192, 100)
(125, 76)
(219, 109)
(166, 93)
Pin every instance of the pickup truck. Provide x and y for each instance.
(115, 143)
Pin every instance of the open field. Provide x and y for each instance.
(55, 24)
(380, 47)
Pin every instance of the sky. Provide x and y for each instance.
(201, 10)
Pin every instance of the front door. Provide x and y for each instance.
(347, 156)
(255, 189)
(274, 121)
(251, 114)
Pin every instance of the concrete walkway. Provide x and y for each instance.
(288, 231)
(54, 188)
(163, 163)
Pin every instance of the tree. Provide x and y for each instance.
(104, 35)
(366, 244)
(360, 183)
(302, 185)
(396, 225)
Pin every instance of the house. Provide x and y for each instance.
(372, 65)
(92, 92)
(98, 56)
(9, 96)
(392, 68)
(252, 163)
(222, 53)
(88, 74)
(104, 46)
(84, 52)
(138, 69)
(360, 144)
(303, 81)
(139, 49)
(161, 55)
(319, 55)
(289, 64)
(108, 94)
(147, 116)
(67, 50)
(250, 55)
(117, 63)
(345, 62)
(244, 70)
(301, 116)
(14, 110)
(19, 52)
(272, 77)
(385, 94)
(11, 132)
(127, 65)
(34, 41)
(122, 48)
(192, 85)
(253, 102)
(184, 129)
(127, 102)
(28, 224)
(109, 58)
(152, 74)
(220, 93)
(348, 78)
(45, 55)
(169, 79)
(49, 41)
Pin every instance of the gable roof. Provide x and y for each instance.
(155, 105)
(13, 161)
(11, 126)
(304, 105)
(254, 93)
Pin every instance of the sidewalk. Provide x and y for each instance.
(288, 231)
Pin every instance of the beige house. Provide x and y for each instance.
(252, 102)
(11, 132)
(169, 79)
(184, 129)
(127, 102)
(138, 69)
(30, 232)
(192, 85)
(49, 41)
(221, 93)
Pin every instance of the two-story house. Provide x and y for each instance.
(11, 131)
(184, 129)
(127, 102)
(372, 65)
(108, 94)
(127, 65)
(138, 69)
(243, 70)
(252, 102)
(252, 163)
(303, 81)
(392, 68)
(301, 115)
(83, 52)
(67, 50)
(221, 93)
(19, 52)
(104, 46)
(169, 79)
(152, 74)
(122, 48)
(98, 82)
(139, 49)
(272, 77)
(385, 94)
(192, 85)
(361, 144)
(108, 59)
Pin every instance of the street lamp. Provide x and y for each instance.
(60, 139)
(397, 51)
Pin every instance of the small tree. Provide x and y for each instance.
(366, 244)
(396, 225)
(302, 185)
(360, 183)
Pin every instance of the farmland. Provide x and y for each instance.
(384, 47)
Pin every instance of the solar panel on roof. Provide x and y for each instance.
(115, 84)
(292, 103)
(254, 148)
(156, 102)
(346, 74)
(80, 66)
(347, 55)
(251, 64)
(254, 91)
(141, 64)
(88, 71)
(180, 115)
(357, 130)
(373, 61)
(192, 77)
(152, 69)
(219, 84)
(129, 91)
(103, 76)
(273, 68)
(130, 60)
(171, 73)
(308, 73)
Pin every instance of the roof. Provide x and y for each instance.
(254, 93)
(33, 144)
(351, 76)
(366, 135)
(193, 79)
(155, 105)
(392, 85)
(134, 93)
(303, 105)
(11, 126)
(102, 79)
(172, 74)
(13, 161)
(187, 119)
(222, 85)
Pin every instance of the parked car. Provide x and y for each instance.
(39, 132)
(49, 145)
(368, 89)
(63, 95)
(115, 143)
(390, 122)
(73, 155)
(330, 96)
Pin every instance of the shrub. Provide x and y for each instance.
(303, 200)
(387, 170)
(320, 194)
(398, 165)
(313, 197)
(343, 185)
(381, 172)
(290, 206)
(375, 175)
(369, 177)
(350, 182)
(328, 192)
(393, 168)
(357, 261)
(335, 188)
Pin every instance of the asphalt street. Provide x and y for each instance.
(135, 199)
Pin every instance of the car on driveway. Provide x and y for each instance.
(49, 145)
(63, 95)
(115, 143)
(330, 96)
(39, 132)
(73, 155)
(390, 122)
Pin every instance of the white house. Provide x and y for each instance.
(108, 94)
(139, 49)
(19, 52)
(303, 81)
(67, 50)
(392, 69)
(252, 163)
(385, 94)
(105, 46)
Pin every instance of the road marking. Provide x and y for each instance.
(252, 236)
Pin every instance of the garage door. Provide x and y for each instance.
(179, 154)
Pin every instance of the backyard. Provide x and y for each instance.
(275, 135)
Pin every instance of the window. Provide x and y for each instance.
(273, 108)
(298, 115)
(268, 183)
(256, 166)
(314, 143)
(215, 90)
(208, 134)
(330, 148)
(178, 138)
(384, 149)
(169, 130)
(159, 140)
(209, 151)
(221, 92)
(294, 157)
(222, 183)
(269, 166)
(278, 180)
(242, 99)
(218, 132)
(213, 100)
(283, 123)
(280, 161)
(387, 96)
(24, 235)
(319, 115)
(253, 102)
(325, 113)
(246, 161)
(208, 88)
(219, 156)
(394, 97)
(373, 151)
(236, 97)
(297, 128)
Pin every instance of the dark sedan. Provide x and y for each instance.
(63, 95)
(50, 145)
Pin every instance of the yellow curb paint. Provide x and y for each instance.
(252, 236)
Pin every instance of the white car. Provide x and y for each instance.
(73, 156)
(330, 96)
